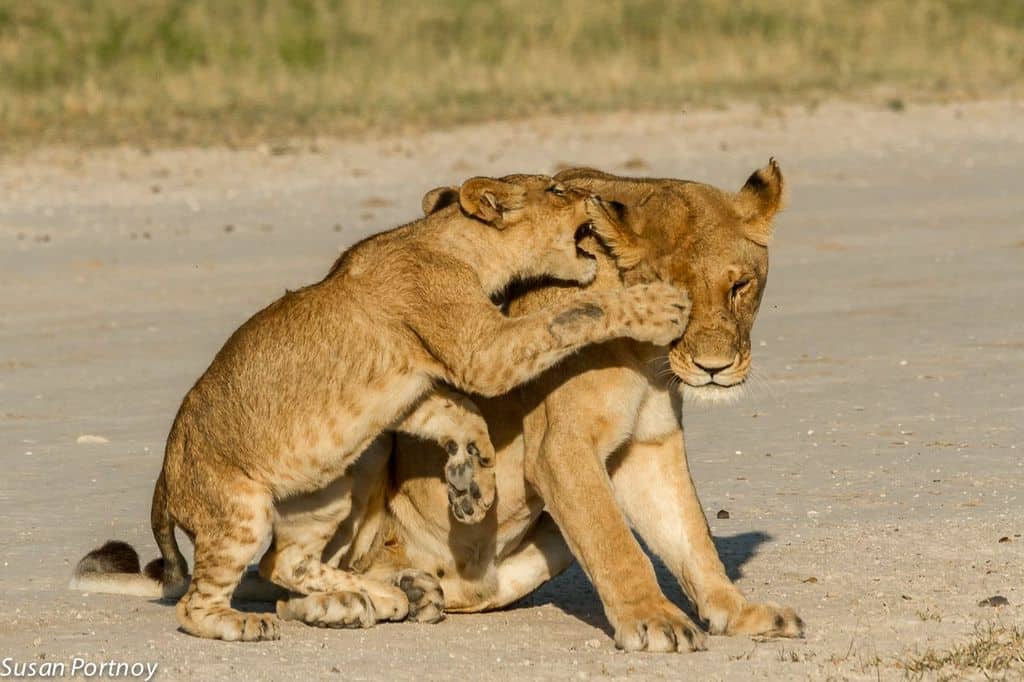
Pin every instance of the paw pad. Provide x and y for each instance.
(471, 482)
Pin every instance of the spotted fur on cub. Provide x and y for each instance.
(268, 440)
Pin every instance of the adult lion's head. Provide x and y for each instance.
(711, 242)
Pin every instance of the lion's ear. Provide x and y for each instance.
(759, 200)
(582, 174)
(610, 223)
(438, 198)
(489, 200)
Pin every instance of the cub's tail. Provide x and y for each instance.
(114, 568)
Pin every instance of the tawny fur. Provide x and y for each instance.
(266, 440)
(596, 444)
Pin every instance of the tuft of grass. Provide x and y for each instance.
(994, 650)
(239, 71)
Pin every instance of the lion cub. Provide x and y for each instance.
(262, 441)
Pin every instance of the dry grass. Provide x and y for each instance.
(994, 651)
(236, 71)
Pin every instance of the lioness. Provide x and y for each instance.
(596, 444)
(265, 438)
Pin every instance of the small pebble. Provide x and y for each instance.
(722, 514)
(996, 600)
(88, 439)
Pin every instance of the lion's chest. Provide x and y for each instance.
(656, 417)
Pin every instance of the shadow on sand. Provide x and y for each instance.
(572, 592)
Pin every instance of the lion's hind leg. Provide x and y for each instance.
(355, 609)
(329, 609)
(541, 556)
(423, 590)
(454, 422)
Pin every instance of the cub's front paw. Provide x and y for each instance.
(658, 627)
(426, 599)
(470, 476)
(656, 313)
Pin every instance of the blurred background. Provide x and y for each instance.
(167, 167)
(238, 71)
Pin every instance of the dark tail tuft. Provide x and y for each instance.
(114, 569)
(155, 569)
(113, 557)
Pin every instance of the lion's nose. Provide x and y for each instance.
(712, 365)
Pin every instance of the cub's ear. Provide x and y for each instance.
(610, 222)
(759, 200)
(438, 198)
(489, 200)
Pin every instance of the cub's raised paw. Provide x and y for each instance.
(470, 476)
(426, 599)
(656, 313)
(659, 627)
(329, 609)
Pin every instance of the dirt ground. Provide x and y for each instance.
(872, 472)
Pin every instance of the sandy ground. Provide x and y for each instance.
(870, 472)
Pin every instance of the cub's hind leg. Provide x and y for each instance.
(454, 422)
(228, 520)
(295, 562)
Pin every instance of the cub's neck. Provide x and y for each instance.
(496, 258)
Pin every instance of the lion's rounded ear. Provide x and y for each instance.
(438, 198)
(489, 200)
(759, 200)
(581, 174)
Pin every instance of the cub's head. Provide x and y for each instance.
(708, 241)
(539, 218)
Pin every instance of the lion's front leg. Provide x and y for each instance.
(575, 486)
(654, 488)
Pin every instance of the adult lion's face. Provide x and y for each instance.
(710, 242)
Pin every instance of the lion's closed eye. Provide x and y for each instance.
(741, 287)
